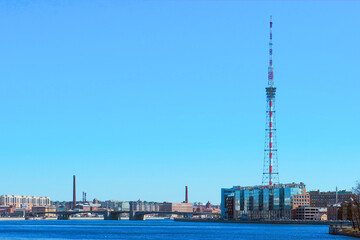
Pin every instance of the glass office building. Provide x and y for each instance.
(259, 202)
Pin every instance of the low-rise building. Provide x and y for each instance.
(175, 207)
(321, 215)
(305, 213)
(44, 211)
(333, 212)
(207, 208)
(143, 206)
(347, 210)
(325, 199)
(125, 206)
(6, 210)
(84, 207)
(95, 207)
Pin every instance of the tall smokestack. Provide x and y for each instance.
(74, 193)
(186, 194)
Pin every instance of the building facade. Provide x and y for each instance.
(26, 202)
(325, 199)
(176, 207)
(334, 212)
(44, 211)
(301, 200)
(207, 208)
(143, 206)
(119, 205)
(270, 202)
(6, 210)
(305, 213)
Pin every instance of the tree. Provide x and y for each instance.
(356, 189)
(349, 214)
(356, 211)
(340, 214)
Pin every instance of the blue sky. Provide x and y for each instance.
(140, 98)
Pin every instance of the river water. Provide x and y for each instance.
(156, 229)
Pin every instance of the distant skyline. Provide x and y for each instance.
(140, 98)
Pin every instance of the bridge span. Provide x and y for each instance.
(116, 215)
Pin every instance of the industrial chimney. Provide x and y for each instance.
(186, 194)
(84, 197)
(74, 193)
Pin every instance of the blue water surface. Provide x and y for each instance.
(156, 229)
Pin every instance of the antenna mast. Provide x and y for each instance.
(270, 173)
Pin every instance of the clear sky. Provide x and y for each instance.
(140, 98)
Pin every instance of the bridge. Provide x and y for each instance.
(140, 215)
(116, 215)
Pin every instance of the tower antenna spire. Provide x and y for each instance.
(270, 173)
(270, 69)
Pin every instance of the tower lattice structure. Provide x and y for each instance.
(271, 173)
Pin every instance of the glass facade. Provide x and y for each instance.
(276, 199)
(266, 199)
(262, 201)
(242, 200)
(289, 192)
(287, 198)
(237, 200)
(225, 194)
(256, 199)
(246, 201)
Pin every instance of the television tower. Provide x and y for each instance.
(270, 174)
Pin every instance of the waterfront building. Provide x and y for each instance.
(207, 208)
(6, 210)
(109, 204)
(60, 206)
(25, 202)
(115, 205)
(275, 201)
(325, 199)
(301, 200)
(122, 206)
(83, 207)
(44, 211)
(144, 206)
(176, 207)
(347, 210)
(322, 215)
(305, 213)
(333, 212)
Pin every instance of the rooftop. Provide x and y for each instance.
(288, 185)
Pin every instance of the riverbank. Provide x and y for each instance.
(48, 218)
(72, 218)
(214, 220)
(11, 218)
(343, 231)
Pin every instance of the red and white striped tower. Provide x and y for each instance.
(270, 174)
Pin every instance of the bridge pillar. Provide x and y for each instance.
(136, 216)
(63, 217)
(132, 215)
(112, 216)
(139, 217)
